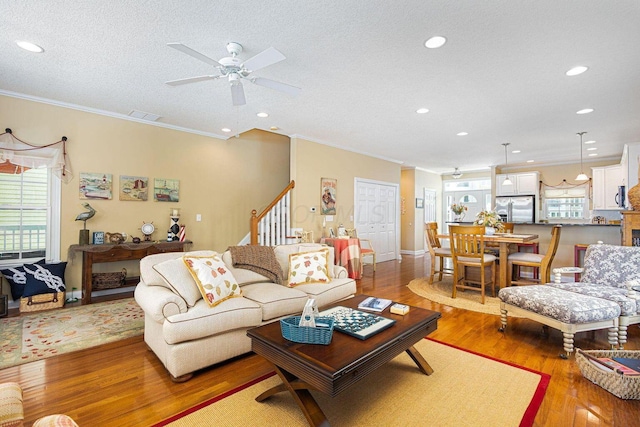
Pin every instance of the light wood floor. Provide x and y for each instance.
(124, 384)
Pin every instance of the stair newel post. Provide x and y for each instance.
(253, 227)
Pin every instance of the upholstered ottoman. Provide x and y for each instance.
(566, 311)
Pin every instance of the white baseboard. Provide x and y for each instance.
(413, 253)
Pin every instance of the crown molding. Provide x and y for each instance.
(109, 114)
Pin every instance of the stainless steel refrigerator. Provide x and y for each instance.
(516, 209)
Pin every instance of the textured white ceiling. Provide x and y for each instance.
(362, 67)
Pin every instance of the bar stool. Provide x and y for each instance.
(535, 249)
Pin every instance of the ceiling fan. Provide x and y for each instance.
(235, 70)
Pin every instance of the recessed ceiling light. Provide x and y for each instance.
(422, 110)
(530, 161)
(435, 42)
(225, 130)
(462, 134)
(585, 111)
(590, 142)
(577, 70)
(31, 47)
(262, 115)
(592, 149)
(593, 154)
(516, 151)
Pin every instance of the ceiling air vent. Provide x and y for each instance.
(143, 116)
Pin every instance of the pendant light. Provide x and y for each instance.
(506, 181)
(456, 174)
(581, 176)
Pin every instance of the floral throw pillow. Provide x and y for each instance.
(309, 267)
(215, 281)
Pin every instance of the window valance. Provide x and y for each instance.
(566, 190)
(17, 155)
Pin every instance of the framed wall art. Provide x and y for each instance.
(166, 190)
(328, 188)
(134, 188)
(96, 186)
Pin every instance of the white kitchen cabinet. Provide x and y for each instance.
(524, 184)
(605, 182)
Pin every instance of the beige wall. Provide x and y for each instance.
(312, 161)
(221, 180)
(413, 184)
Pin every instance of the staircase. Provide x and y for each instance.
(273, 225)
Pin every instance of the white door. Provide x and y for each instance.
(376, 217)
(429, 206)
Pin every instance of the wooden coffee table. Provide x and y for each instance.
(346, 360)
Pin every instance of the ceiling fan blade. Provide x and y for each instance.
(272, 84)
(185, 49)
(237, 94)
(191, 80)
(263, 59)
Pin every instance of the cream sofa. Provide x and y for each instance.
(187, 334)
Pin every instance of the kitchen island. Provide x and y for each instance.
(572, 234)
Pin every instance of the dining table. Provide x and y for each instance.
(346, 253)
(504, 240)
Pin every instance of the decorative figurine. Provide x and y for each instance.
(84, 216)
(147, 229)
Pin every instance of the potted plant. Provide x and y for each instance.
(491, 220)
(458, 209)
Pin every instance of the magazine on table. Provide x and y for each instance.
(375, 304)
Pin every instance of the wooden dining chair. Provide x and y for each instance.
(436, 252)
(468, 251)
(540, 261)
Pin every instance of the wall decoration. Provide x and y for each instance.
(166, 190)
(96, 186)
(419, 203)
(134, 188)
(328, 187)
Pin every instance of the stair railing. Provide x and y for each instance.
(273, 225)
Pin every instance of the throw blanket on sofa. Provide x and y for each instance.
(259, 259)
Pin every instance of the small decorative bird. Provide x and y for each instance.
(84, 216)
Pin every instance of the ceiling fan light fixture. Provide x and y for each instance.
(456, 174)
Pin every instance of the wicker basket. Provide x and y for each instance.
(42, 302)
(622, 386)
(306, 334)
(102, 281)
(634, 197)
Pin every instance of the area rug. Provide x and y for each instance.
(440, 292)
(466, 389)
(37, 336)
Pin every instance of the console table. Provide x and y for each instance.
(94, 254)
